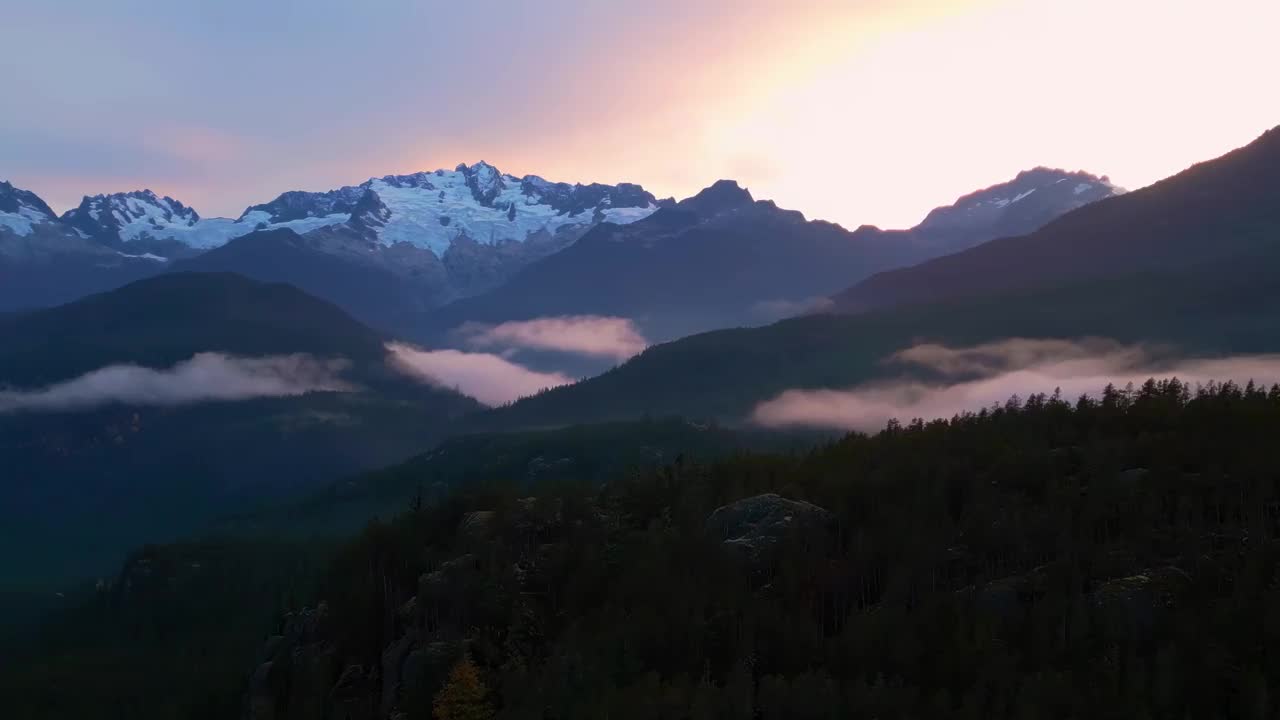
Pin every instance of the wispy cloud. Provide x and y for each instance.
(967, 379)
(205, 377)
(594, 335)
(489, 378)
(773, 310)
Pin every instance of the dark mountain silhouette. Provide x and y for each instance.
(92, 480)
(1218, 308)
(384, 289)
(1215, 209)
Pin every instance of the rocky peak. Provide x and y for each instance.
(722, 196)
(369, 213)
(116, 217)
(21, 209)
(298, 205)
(15, 200)
(484, 180)
(1022, 205)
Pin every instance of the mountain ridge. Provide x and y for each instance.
(157, 468)
(1232, 199)
(527, 205)
(395, 248)
(766, 262)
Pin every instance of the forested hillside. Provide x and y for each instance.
(106, 442)
(1218, 308)
(581, 453)
(1049, 557)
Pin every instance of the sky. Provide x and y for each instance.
(858, 112)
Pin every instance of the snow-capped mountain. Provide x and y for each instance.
(44, 261)
(21, 210)
(428, 210)
(431, 238)
(143, 222)
(1021, 205)
(433, 210)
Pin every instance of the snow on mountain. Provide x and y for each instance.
(1023, 204)
(21, 210)
(258, 220)
(142, 218)
(432, 210)
(143, 256)
(429, 210)
(46, 262)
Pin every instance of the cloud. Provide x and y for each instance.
(205, 377)
(491, 379)
(1068, 357)
(967, 379)
(593, 335)
(773, 310)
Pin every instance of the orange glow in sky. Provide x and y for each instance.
(875, 114)
(859, 111)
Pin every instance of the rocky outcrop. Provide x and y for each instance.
(754, 525)
(303, 674)
(1138, 599)
(297, 671)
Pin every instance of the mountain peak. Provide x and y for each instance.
(127, 206)
(14, 200)
(721, 196)
(143, 221)
(1021, 205)
(478, 166)
(21, 210)
(1161, 227)
(484, 180)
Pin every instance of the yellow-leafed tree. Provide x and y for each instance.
(464, 696)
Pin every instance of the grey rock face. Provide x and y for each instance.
(757, 523)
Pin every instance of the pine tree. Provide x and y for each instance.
(464, 696)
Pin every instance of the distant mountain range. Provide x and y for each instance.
(440, 235)
(1190, 262)
(724, 259)
(429, 210)
(394, 249)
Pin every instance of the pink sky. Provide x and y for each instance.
(862, 111)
